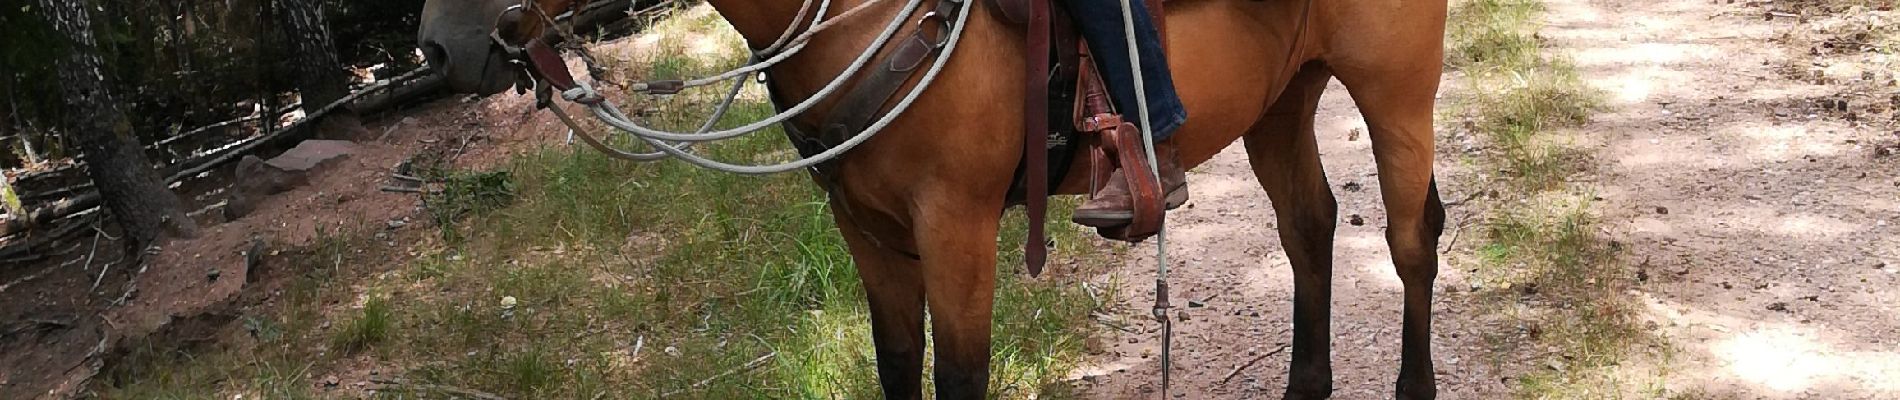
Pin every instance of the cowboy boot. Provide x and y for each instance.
(1114, 206)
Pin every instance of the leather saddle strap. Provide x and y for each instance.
(1036, 134)
(866, 100)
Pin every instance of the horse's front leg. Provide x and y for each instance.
(956, 236)
(894, 288)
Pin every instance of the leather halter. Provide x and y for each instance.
(540, 60)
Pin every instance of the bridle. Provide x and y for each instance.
(519, 33)
(516, 15)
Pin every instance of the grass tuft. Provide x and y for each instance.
(1541, 265)
(370, 327)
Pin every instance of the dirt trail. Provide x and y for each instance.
(1765, 230)
(1768, 230)
(1226, 253)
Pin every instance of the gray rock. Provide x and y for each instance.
(257, 178)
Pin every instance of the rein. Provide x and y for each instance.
(673, 144)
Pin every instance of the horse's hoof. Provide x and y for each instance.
(1312, 389)
(1304, 395)
(1426, 389)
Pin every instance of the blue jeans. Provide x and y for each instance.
(1100, 22)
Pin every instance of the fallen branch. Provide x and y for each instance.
(398, 385)
(399, 189)
(131, 286)
(208, 128)
(1231, 374)
(25, 279)
(13, 249)
(755, 363)
(48, 213)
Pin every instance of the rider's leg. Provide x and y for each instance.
(1100, 23)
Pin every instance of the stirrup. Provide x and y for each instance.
(1120, 147)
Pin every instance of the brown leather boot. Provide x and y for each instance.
(1114, 206)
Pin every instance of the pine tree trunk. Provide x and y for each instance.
(320, 76)
(128, 185)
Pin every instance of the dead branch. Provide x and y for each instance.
(28, 278)
(208, 128)
(399, 189)
(1250, 363)
(55, 235)
(755, 363)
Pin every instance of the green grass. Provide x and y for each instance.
(1493, 35)
(637, 280)
(370, 327)
(1540, 264)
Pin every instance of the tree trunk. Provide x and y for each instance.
(127, 184)
(320, 76)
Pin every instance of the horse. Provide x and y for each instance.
(919, 206)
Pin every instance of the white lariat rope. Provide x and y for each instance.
(1154, 168)
(608, 114)
(612, 116)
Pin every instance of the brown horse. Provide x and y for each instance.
(923, 197)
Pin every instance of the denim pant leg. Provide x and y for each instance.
(1100, 22)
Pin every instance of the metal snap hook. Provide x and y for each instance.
(939, 40)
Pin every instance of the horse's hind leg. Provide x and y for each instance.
(894, 286)
(1285, 159)
(1396, 95)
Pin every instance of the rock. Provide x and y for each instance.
(1356, 220)
(1662, 210)
(213, 274)
(1778, 306)
(257, 178)
(311, 154)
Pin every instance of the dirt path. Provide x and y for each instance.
(1227, 255)
(1767, 227)
(1763, 227)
